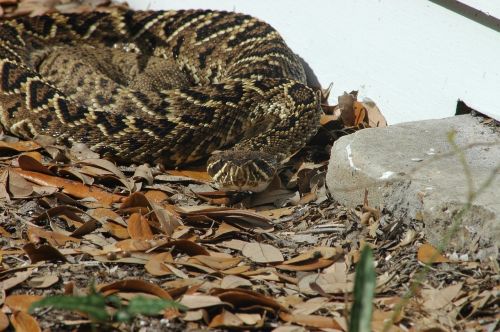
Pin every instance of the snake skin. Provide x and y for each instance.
(167, 87)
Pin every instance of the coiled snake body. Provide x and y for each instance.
(160, 86)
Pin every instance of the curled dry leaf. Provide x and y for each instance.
(246, 299)
(24, 322)
(242, 218)
(72, 188)
(143, 172)
(312, 265)
(134, 285)
(21, 302)
(29, 163)
(187, 247)
(262, 253)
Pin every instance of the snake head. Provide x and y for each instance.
(242, 170)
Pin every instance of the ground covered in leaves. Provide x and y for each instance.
(279, 260)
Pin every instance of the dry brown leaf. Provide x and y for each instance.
(198, 175)
(225, 319)
(134, 285)
(439, 298)
(104, 214)
(29, 163)
(21, 146)
(18, 278)
(199, 301)
(428, 254)
(242, 218)
(247, 299)
(138, 244)
(156, 265)
(4, 321)
(17, 186)
(316, 321)
(311, 265)
(232, 281)
(237, 270)
(262, 253)
(217, 263)
(24, 322)
(187, 247)
(72, 188)
(156, 196)
(21, 302)
(43, 281)
(116, 230)
(44, 252)
(55, 239)
(278, 213)
(138, 227)
(315, 253)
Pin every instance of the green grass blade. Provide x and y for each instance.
(364, 289)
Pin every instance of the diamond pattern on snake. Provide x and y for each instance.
(168, 87)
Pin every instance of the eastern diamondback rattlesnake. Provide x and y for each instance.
(160, 86)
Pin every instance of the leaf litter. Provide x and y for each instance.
(283, 259)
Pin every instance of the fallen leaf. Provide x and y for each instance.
(24, 322)
(246, 299)
(72, 188)
(316, 321)
(231, 281)
(156, 265)
(134, 285)
(4, 321)
(428, 254)
(311, 265)
(18, 278)
(262, 253)
(21, 146)
(199, 301)
(43, 281)
(21, 302)
(225, 319)
(17, 186)
(44, 252)
(439, 298)
(138, 227)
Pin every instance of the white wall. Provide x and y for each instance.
(414, 58)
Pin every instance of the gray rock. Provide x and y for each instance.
(410, 169)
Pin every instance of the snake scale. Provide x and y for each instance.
(168, 87)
